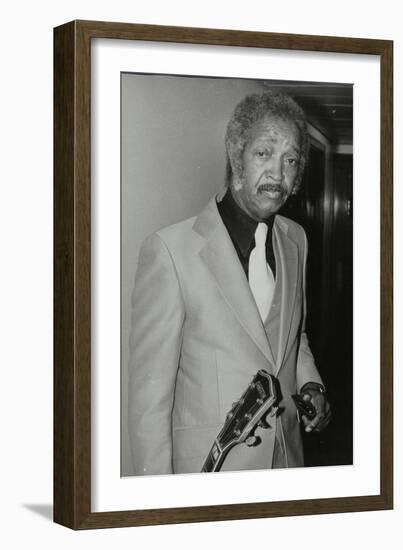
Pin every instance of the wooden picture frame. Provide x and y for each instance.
(72, 271)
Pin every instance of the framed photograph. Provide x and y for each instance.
(222, 274)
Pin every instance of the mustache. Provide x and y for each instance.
(271, 187)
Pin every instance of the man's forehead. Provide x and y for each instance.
(273, 128)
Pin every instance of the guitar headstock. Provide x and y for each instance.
(251, 409)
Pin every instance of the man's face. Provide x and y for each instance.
(270, 167)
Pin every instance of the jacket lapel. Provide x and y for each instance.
(286, 252)
(221, 259)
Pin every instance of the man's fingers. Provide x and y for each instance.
(323, 413)
(305, 420)
(320, 422)
(319, 419)
(314, 423)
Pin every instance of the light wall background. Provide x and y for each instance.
(26, 273)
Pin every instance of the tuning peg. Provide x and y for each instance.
(263, 424)
(253, 440)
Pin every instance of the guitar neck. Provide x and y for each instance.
(215, 458)
(209, 463)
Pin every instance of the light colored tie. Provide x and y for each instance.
(261, 280)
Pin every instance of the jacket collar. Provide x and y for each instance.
(221, 259)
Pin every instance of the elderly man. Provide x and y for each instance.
(219, 297)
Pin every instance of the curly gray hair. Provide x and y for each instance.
(249, 111)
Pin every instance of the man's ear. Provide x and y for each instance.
(297, 183)
(234, 169)
(295, 189)
(236, 183)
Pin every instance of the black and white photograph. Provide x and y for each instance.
(236, 274)
(201, 267)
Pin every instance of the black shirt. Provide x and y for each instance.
(241, 228)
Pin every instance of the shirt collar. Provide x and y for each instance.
(240, 226)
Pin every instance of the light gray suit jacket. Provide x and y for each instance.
(197, 340)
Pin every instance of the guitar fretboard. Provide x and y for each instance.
(213, 458)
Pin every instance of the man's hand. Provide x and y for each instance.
(321, 404)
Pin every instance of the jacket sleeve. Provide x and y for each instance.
(306, 368)
(155, 345)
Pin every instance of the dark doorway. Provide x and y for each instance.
(324, 208)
